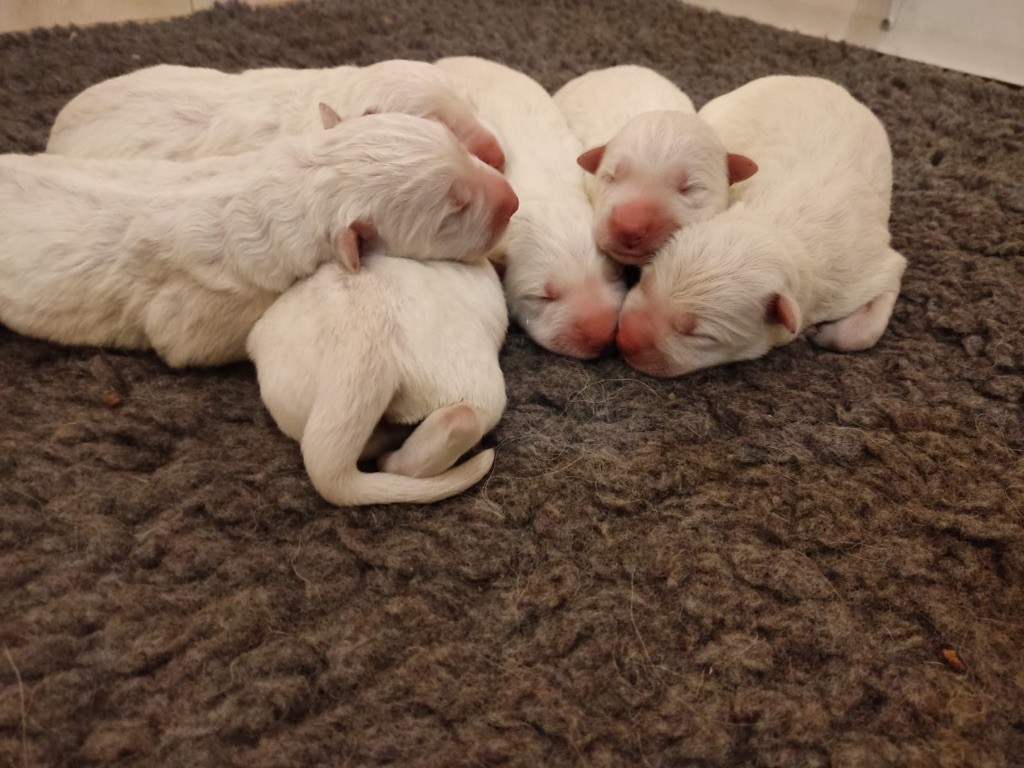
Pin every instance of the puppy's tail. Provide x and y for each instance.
(339, 425)
(355, 487)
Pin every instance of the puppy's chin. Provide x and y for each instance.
(630, 257)
(657, 365)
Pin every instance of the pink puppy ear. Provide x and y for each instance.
(328, 116)
(591, 159)
(346, 248)
(740, 168)
(347, 244)
(783, 310)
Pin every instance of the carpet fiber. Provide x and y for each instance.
(810, 559)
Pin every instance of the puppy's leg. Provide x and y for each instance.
(858, 330)
(437, 442)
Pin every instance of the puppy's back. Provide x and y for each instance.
(802, 127)
(597, 104)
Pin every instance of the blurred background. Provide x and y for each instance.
(982, 37)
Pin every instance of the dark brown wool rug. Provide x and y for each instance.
(812, 559)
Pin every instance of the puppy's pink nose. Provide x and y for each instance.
(501, 199)
(636, 333)
(594, 332)
(630, 223)
(638, 224)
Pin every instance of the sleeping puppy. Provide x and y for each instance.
(401, 341)
(184, 257)
(803, 247)
(563, 293)
(181, 113)
(653, 166)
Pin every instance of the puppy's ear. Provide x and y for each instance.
(740, 168)
(591, 159)
(348, 244)
(328, 116)
(346, 248)
(783, 310)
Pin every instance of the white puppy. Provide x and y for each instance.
(181, 113)
(184, 257)
(563, 293)
(403, 342)
(804, 245)
(656, 166)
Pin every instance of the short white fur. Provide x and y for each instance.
(181, 113)
(560, 289)
(657, 151)
(805, 242)
(401, 342)
(184, 257)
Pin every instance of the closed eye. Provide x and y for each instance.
(690, 188)
(704, 339)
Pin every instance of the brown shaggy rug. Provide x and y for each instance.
(812, 559)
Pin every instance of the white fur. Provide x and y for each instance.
(402, 342)
(181, 113)
(559, 288)
(657, 153)
(807, 234)
(597, 104)
(184, 257)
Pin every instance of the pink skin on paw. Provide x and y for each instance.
(636, 229)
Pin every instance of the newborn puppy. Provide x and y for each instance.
(656, 166)
(181, 113)
(804, 245)
(402, 341)
(563, 293)
(184, 257)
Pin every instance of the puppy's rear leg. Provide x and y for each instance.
(858, 330)
(437, 442)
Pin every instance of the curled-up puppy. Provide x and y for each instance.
(184, 257)
(403, 342)
(181, 113)
(803, 246)
(653, 165)
(560, 289)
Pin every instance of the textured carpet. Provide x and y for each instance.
(811, 559)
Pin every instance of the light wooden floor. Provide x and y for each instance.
(18, 15)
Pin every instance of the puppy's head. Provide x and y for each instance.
(662, 171)
(408, 183)
(423, 90)
(560, 290)
(719, 292)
